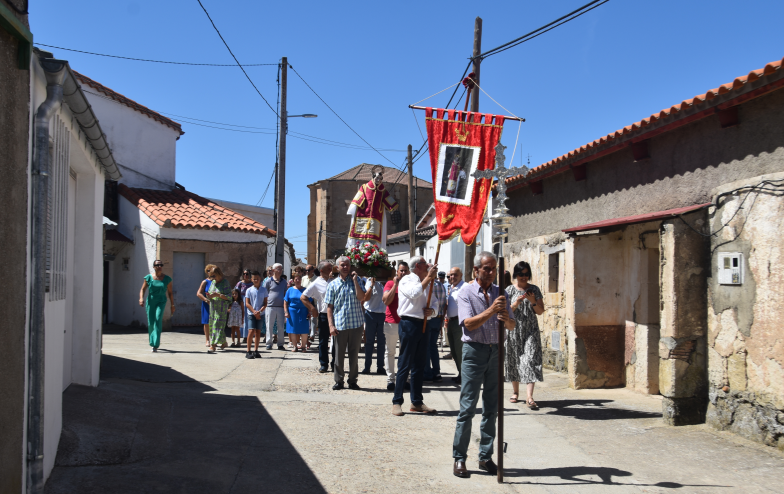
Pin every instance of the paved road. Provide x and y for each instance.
(184, 421)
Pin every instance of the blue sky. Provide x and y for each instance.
(613, 66)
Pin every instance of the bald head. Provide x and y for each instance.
(455, 276)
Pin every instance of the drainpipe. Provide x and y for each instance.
(55, 71)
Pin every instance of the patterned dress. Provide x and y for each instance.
(523, 361)
(235, 315)
(219, 312)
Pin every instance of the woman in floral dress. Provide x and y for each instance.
(220, 297)
(523, 344)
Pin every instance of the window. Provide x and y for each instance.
(57, 211)
(553, 272)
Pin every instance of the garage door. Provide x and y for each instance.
(187, 276)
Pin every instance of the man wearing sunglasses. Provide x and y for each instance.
(480, 306)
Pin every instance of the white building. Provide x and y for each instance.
(79, 163)
(158, 218)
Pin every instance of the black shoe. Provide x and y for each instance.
(456, 379)
(381, 370)
(438, 379)
(459, 469)
(281, 347)
(391, 387)
(488, 466)
(323, 369)
(244, 340)
(427, 379)
(365, 371)
(257, 354)
(407, 386)
(249, 355)
(337, 386)
(353, 386)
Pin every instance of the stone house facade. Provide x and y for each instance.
(328, 223)
(624, 236)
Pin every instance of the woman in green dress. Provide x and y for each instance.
(160, 286)
(220, 298)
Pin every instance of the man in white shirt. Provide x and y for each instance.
(316, 291)
(309, 277)
(375, 313)
(454, 332)
(413, 311)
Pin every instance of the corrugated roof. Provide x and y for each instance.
(363, 173)
(179, 208)
(671, 113)
(640, 218)
(128, 102)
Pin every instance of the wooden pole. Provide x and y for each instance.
(411, 218)
(506, 117)
(501, 337)
(281, 180)
(430, 291)
(470, 250)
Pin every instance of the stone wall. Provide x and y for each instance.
(14, 127)
(745, 338)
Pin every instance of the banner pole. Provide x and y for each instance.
(430, 292)
(501, 335)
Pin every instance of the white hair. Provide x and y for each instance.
(277, 265)
(482, 255)
(342, 259)
(324, 264)
(415, 260)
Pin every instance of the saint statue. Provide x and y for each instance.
(456, 175)
(367, 211)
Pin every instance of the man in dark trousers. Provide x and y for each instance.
(480, 307)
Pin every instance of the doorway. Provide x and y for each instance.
(187, 275)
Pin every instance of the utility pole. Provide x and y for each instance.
(411, 218)
(280, 184)
(470, 250)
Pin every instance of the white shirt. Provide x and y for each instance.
(412, 299)
(316, 290)
(307, 281)
(376, 302)
(451, 299)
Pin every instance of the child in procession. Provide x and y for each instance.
(235, 316)
(256, 304)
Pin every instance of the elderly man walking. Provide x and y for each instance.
(276, 290)
(480, 306)
(317, 290)
(344, 311)
(413, 311)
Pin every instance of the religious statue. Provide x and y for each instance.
(456, 175)
(367, 211)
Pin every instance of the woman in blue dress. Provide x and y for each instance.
(205, 302)
(296, 315)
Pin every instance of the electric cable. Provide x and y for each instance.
(538, 32)
(235, 59)
(153, 61)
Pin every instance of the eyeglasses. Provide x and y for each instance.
(157, 265)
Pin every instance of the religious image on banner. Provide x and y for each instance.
(461, 143)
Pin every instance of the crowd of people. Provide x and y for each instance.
(332, 302)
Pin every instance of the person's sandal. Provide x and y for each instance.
(532, 405)
(513, 398)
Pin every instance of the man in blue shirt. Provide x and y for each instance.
(344, 311)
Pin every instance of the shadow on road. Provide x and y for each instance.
(573, 474)
(137, 432)
(592, 410)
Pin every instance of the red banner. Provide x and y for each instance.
(461, 143)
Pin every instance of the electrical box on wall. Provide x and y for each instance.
(730, 268)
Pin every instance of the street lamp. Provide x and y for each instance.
(280, 185)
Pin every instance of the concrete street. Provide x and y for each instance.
(184, 421)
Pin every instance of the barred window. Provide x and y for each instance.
(57, 212)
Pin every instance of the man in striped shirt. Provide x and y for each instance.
(344, 311)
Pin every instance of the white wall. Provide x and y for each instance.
(265, 216)
(71, 324)
(138, 143)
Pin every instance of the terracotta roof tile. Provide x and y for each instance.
(667, 113)
(363, 173)
(129, 102)
(179, 208)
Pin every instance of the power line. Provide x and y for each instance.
(344, 122)
(538, 32)
(235, 59)
(153, 61)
